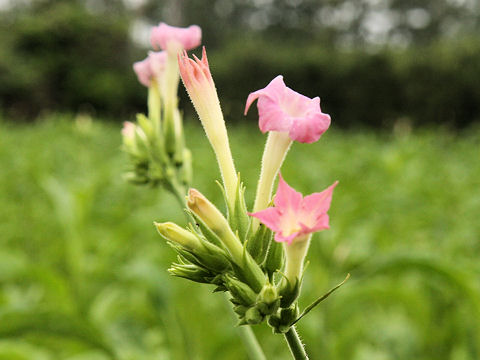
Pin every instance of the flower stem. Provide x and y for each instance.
(254, 350)
(295, 344)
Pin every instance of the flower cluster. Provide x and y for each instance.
(155, 143)
(261, 267)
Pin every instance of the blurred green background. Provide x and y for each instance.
(82, 270)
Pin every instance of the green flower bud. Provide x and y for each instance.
(241, 292)
(190, 272)
(174, 233)
(268, 300)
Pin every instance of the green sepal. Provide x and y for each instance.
(237, 214)
(240, 310)
(249, 271)
(289, 292)
(275, 258)
(209, 256)
(253, 316)
(241, 292)
(282, 321)
(268, 300)
(191, 272)
(203, 229)
(258, 244)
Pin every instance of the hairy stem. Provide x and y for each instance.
(295, 344)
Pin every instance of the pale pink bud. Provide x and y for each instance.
(294, 216)
(128, 130)
(284, 110)
(198, 81)
(152, 67)
(163, 34)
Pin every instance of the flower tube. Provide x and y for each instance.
(288, 116)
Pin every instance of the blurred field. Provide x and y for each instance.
(83, 272)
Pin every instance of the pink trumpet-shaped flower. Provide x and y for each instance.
(282, 109)
(294, 216)
(163, 34)
(153, 66)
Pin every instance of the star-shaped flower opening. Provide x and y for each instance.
(295, 216)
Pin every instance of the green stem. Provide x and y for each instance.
(254, 349)
(295, 344)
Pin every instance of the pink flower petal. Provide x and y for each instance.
(318, 203)
(270, 217)
(321, 223)
(158, 62)
(283, 109)
(189, 38)
(144, 71)
(309, 128)
(288, 239)
(286, 198)
(293, 216)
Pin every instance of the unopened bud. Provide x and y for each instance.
(213, 218)
(241, 292)
(174, 233)
(268, 295)
(268, 300)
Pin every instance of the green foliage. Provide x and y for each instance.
(83, 273)
(58, 55)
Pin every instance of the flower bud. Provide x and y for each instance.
(268, 300)
(213, 218)
(199, 83)
(241, 292)
(174, 233)
(191, 272)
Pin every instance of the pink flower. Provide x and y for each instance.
(158, 62)
(282, 109)
(143, 71)
(153, 66)
(294, 216)
(163, 34)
